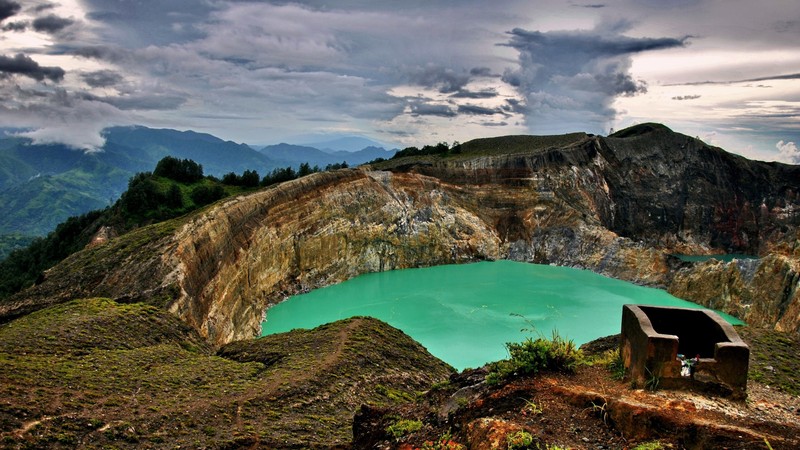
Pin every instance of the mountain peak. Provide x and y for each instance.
(640, 129)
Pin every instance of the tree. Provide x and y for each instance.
(183, 170)
(305, 169)
(249, 178)
(231, 179)
(203, 195)
(174, 197)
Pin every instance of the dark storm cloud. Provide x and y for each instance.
(102, 78)
(144, 102)
(101, 52)
(134, 101)
(420, 108)
(465, 93)
(444, 79)
(515, 106)
(15, 26)
(51, 24)
(478, 110)
(8, 9)
(151, 22)
(44, 7)
(481, 72)
(24, 65)
(562, 46)
(574, 76)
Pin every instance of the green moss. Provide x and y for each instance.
(773, 358)
(403, 427)
(395, 395)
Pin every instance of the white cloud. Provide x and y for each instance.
(788, 151)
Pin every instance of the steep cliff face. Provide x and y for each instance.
(256, 250)
(616, 205)
(761, 292)
(670, 189)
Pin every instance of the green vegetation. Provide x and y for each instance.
(403, 427)
(176, 187)
(519, 440)
(535, 355)
(652, 445)
(23, 266)
(11, 242)
(639, 130)
(653, 381)
(532, 408)
(504, 145)
(611, 360)
(441, 149)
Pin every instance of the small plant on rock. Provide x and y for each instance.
(519, 440)
(532, 408)
(652, 381)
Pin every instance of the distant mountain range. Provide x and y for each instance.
(41, 185)
(289, 154)
(343, 144)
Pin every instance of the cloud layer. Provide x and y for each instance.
(413, 73)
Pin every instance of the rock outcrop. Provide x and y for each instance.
(617, 205)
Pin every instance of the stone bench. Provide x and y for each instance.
(653, 337)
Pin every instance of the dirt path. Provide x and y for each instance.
(273, 386)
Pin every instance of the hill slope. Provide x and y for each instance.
(93, 373)
(43, 185)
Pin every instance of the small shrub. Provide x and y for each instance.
(601, 411)
(534, 355)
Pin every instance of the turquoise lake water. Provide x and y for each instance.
(464, 314)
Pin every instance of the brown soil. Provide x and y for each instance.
(589, 410)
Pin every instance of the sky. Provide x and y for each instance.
(404, 73)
